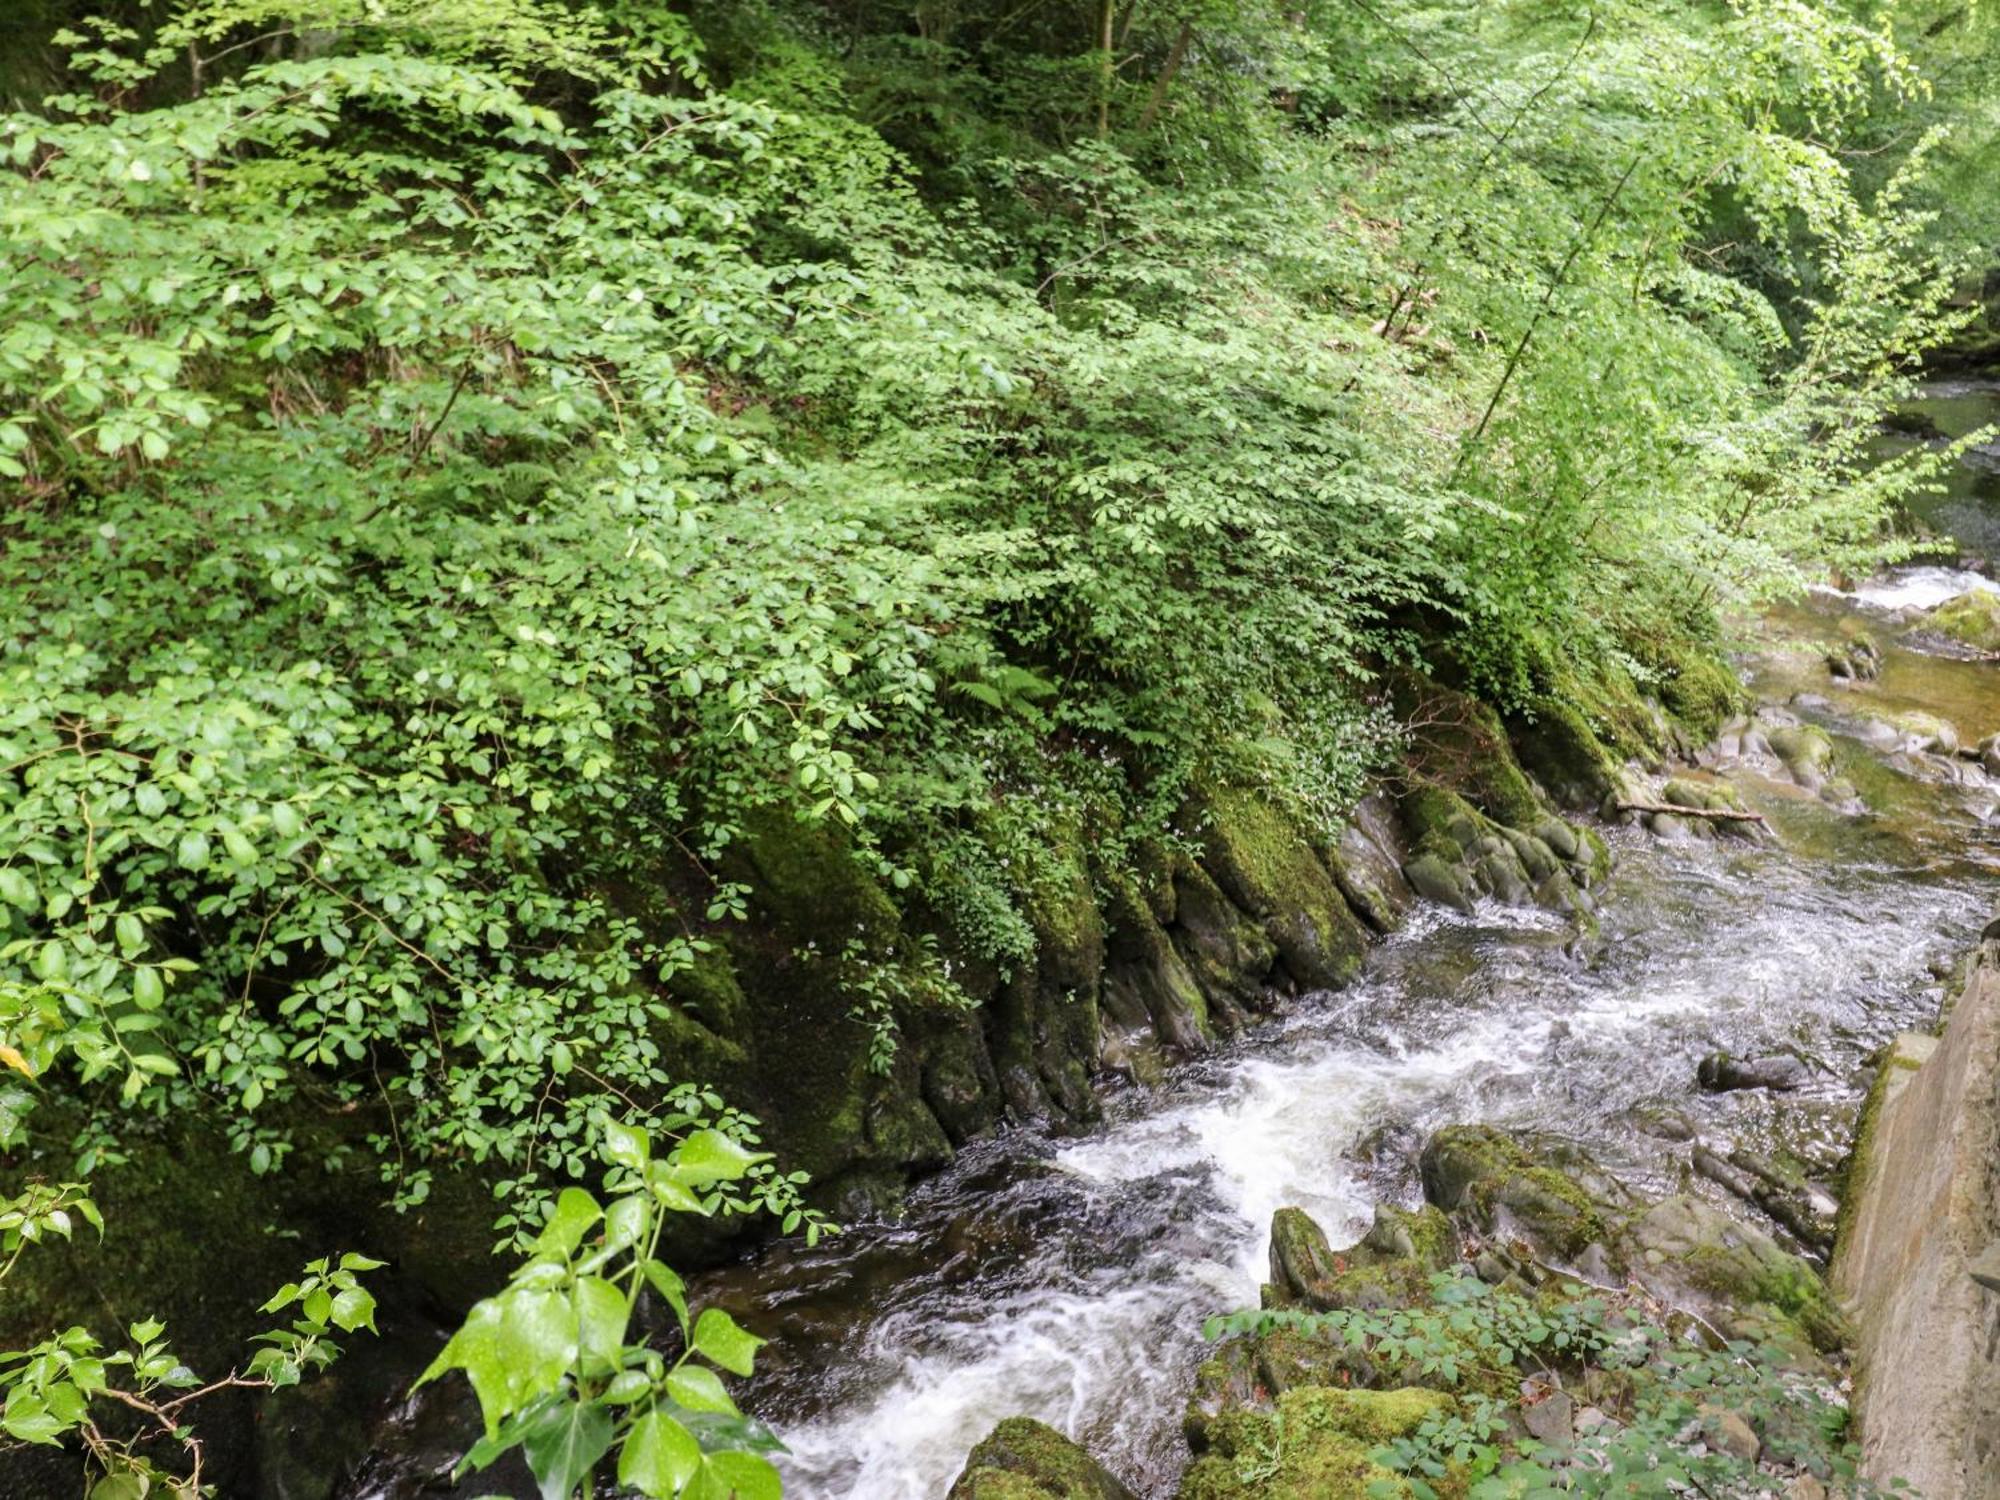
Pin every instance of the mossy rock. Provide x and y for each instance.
(1685, 1244)
(1422, 1236)
(1972, 618)
(1558, 747)
(1807, 752)
(1459, 743)
(1022, 1459)
(807, 881)
(1229, 953)
(1701, 692)
(1493, 1183)
(1390, 1266)
(1315, 1443)
(1265, 865)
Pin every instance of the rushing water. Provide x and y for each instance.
(1067, 1279)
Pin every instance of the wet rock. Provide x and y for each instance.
(1663, 1123)
(1302, 1262)
(1389, 1267)
(1435, 880)
(1854, 661)
(1022, 1459)
(1367, 864)
(1807, 754)
(1263, 863)
(1559, 748)
(1780, 1072)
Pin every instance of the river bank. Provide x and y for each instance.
(1067, 1279)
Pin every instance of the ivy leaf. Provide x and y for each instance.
(564, 1448)
(737, 1476)
(659, 1456)
(708, 1156)
(574, 1213)
(699, 1388)
(718, 1338)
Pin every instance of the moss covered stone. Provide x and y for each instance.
(1492, 1182)
(1022, 1459)
(1686, 1245)
(1314, 1443)
(1229, 954)
(1557, 745)
(1265, 864)
(1972, 618)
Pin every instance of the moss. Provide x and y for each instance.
(1557, 744)
(1062, 908)
(1423, 1236)
(1266, 865)
(1973, 618)
(1701, 692)
(1854, 1171)
(1476, 1172)
(1317, 1443)
(1459, 743)
(1022, 1459)
(809, 883)
(1440, 822)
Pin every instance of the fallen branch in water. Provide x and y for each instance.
(1719, 814)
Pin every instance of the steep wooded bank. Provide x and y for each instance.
(814, 576)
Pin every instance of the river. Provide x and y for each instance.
(1067, 1279)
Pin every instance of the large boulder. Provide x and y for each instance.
(1738, 1277)
(1551, 1197)
(1390, 1267)
(1971, 618)
(1022, 1459)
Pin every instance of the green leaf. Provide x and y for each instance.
(601, 1316)
(737, 1476)
(16, 889)
(708, 1156)
(718, 1338)
(353, 1308)
(625, 1222)
(192, 851)
(659, 1456)
(569, 1221)
(564, 1448)
(148, 993)
(625, 1145)
(699, 1388)
(667, 1282)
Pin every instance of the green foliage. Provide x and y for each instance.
(63, 1388)
(565, 1375)
(471, 460)
(1657, 1388)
